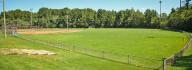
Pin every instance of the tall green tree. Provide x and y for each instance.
(151, 18)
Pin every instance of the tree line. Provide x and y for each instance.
(179, 18)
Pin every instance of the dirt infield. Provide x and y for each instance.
(46, 31)
(14, 51)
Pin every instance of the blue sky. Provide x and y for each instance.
(94, 4)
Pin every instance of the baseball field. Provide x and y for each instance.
(92, 49)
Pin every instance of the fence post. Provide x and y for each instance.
(181, 53)
(103, 54)
(174, 60)
(73, 48)
(86, 50)
(57, 42)
(128, 59)
(164, 63)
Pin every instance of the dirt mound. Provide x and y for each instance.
(46, 31)
(6, 51)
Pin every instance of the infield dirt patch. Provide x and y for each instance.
(7, 51)
(47, 31)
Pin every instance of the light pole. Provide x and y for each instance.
(4, 20)
(180, 4)
(31, 17)
(187, 3)
(160, 7)
(67, 22)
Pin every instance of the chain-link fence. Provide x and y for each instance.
(12, 29)
(1, 32)
(144, 62)
(8, 31)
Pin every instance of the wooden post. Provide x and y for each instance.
(181, 53)
(103, 54)
(164, 63)
(128, 59)
(73, 48)
(183, 40)
(174, 60)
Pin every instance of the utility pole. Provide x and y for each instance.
(49, 14)
(31, 17)
(160, 19)
(67, 22)
(160, 7)
(4, 20)
(180, 4)
(187, 3)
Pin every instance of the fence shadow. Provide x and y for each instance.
(185, 62)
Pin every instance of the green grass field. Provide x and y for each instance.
(151, 43)
(155, 43)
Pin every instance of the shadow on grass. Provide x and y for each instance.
(184, 62)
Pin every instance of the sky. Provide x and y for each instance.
(117, 5)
